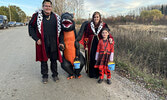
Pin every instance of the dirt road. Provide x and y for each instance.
(21, 79)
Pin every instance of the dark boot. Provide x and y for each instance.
(45, 80)
(108, 81)
(100, 81)
(56, 79)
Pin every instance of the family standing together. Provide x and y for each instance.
(53, 34)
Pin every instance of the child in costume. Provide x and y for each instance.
(104, 55)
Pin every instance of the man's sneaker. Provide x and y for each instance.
(45, 80)
(108, 81)
(56, 78)
(100, 81)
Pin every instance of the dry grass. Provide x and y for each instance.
(141, 52)
(143, 46)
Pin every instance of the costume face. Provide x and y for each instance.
(105, 34)
(96, 19)
(67, 22)
(47, 8)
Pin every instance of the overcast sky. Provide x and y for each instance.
(105, 7)
(118, 7)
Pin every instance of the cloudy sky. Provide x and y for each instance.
(105, 7)
(118, 7)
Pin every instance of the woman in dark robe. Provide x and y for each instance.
(91, 35)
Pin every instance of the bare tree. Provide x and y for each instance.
(79, 8)
(71, 6)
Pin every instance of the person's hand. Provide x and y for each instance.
(39, 42)
(110, 62)
(110, 40)
(76, 58)
(61, 46)
(86, 49)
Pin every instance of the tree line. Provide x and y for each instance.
(155, 15)
(13, 13)
(162, 8)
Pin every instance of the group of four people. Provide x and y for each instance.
(45, 27)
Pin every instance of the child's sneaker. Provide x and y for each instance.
(108, 81)
(100, 81)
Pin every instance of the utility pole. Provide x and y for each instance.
(9, 12)
(89, 16)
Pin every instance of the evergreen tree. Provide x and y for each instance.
(162, 9)
(166, 10)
